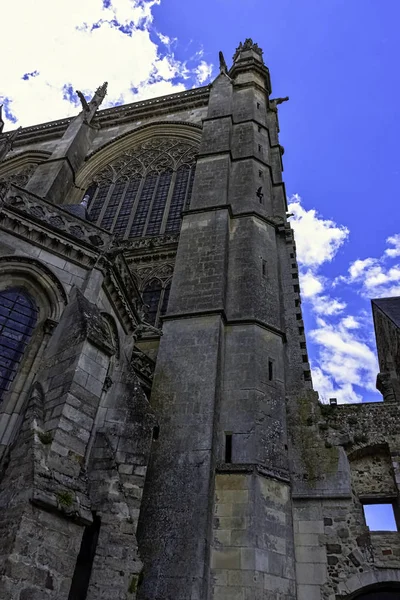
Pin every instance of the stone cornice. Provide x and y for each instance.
(48, 226)
(118, 114)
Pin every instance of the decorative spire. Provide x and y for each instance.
(6, 143)
(90, 108)
(248, 45)
(222, 64)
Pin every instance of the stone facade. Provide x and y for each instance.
(193, 462)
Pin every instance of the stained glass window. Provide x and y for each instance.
(151, 298)
(144, 191)
(18, 316)
(156, 299)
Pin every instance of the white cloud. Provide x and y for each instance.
(311, 285)
(345, 357)
(328, 306)
(375, 277)
(393, 240)
(317, 239)
(345, 360)
(82, 44)
(203, 72)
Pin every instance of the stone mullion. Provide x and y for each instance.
(151, 205)
(168, 203)
(160, 303)
(119, 206)
(106, 201)
(134, 209)
(187, 188)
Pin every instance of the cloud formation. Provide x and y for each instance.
(81, 45)
(344, 364)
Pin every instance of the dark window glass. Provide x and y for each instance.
(178, 200)
(146, 196)
(97, 203)
(115, 202)
(157, 210)
(127, 205)
(113, 205)
(151, 297)
(18, 315)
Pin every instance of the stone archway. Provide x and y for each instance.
(382, 592)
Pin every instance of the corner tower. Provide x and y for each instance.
(216, 509)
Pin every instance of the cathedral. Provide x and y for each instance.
(160, 438)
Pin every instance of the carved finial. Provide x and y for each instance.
(6, 144)
(1, 119)
(222, 63)
(248, 45)
(90, 108)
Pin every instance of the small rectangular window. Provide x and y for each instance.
(303, 345)
(299, 316)
(297, 303)
(296, 288)
(260, 173)
(270, 370)
(305, 358)
(301, 330)
(258, 105)
(380, 517)
(264, 268)
(228, 447)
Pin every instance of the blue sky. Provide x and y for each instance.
(337, 61)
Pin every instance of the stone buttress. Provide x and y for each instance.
(216, 510)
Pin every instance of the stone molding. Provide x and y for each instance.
(49, 283)
(355, 584)
(120, 114)
(115, 148)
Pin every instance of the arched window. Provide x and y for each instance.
(144, 191)
(18, 316)
(156, 299)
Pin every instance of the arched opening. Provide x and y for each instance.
(379, 591)
(144, 191)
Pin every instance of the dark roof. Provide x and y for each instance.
(76, 209)
(391, 308)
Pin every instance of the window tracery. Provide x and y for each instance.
(143, 191)
(18, 316)
(17, 177)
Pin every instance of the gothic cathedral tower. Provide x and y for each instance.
(159, 435)
(217, 494)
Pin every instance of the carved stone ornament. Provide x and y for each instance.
(149, 243)
(248, 45)
(155, 155)
(55, 217)
(7, 141)
(143, 365)
(89, 109)
(385, 386)
(19, 178)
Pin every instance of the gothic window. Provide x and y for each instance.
(156, 297)
(144, 191)
(18, 316)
